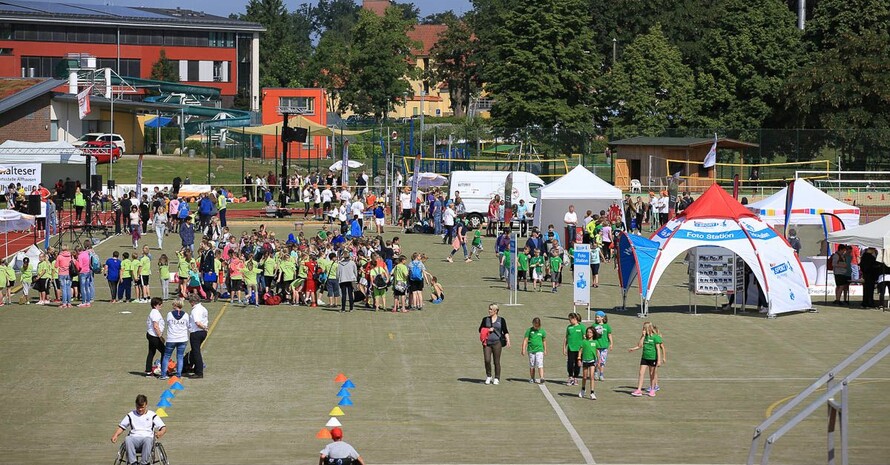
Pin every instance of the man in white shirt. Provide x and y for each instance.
(198, 321)
(145, 426)
(345, 196)
(358, 209)
(405, 201)
(448, 221)
(571, 218)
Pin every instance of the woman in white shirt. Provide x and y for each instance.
(160, 224)
(177, 336)
(135, 226)
(153, 332)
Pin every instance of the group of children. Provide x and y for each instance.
(587, 349)
(532, 265)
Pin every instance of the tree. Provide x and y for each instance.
(408, 11)
(379, 63)
(444, 17)
(335, 15)
(453, 62)
(273, 15)
(539, 66)
(329, 65)
(650, 89)
(163, 69)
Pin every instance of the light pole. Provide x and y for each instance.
(614, 51)
(422, 97)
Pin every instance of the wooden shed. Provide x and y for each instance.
(650, 160)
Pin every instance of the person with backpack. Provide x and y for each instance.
(416, 272)
(495, 337)
(347, 275)
(379, 282)
(400, 284)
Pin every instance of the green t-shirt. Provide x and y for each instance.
(269, 266)
(182, 269)
(588, 350)
(126, 268)
(400, 273)
(522, 257)
(574, 336)
(602, 342)
(164, 271)
(44, 270)
(535, 339)
(27, 274)
(4, 276)
(217, 266)
(477, 238)
(288, 270)
(323, 235)
(508, 259)
(328, 267)
(250, 275)
(538, 264)
(145, 266)
(650, 351)
(555, 263)
(10, 273)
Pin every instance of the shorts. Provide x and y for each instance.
(602, 355)
(520, 274)
(536, 276)
(536, 359)
(406, 214)
(380, 221)
(588, 364)
(143, 279)
(554, 277)
(42, 285)
(397, 293)
(316, 205)
(237, 285)
(326, 206)
(183, 280)
(333, 287)
(11, 283)
(594, 269)
(648, 363)
(414, 286)
(841, 280)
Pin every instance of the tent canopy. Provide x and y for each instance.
(578, 187)
(636, 256)
(57, 159)
(716, 219)
(314, 128)
(875, 234)
(158, 121)
(808, 203)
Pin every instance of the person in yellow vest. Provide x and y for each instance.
(221, 206)
(79, 203)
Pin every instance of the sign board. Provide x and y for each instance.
(713, 270)
(26, 174)
(581, 283)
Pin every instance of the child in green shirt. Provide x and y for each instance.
(535, 344)
(477, 243)
(587, 361)
(537, 266)
(522, 268)
(164, 272)
(27, 277)
(249, 273)
(555, 269)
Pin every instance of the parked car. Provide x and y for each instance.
(101, 137)
(360, 120)
(99, 149)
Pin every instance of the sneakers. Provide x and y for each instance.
(449, 260)
(637, 393)
(488, 380)
(531, 380)
(592, 395)
(581, 394)
(651, 392)
(163, 377)
(495, 382)
(656, 388)
(602, 378)
(468, 260)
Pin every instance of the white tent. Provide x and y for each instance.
(807, 205)
(58, 159)
(716, 219)
(875, 234)
(579, 187)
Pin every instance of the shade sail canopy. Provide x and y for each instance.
(314, 128)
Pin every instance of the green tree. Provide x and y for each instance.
(163, 69)
(273, 15)
(650, 90)
(379, 63)
(408, 11)
(339, 16)
(444, 17)
(453, 62)
(539, 66)
(328, 67)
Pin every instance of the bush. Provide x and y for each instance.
(193, 144)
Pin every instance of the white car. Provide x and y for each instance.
(102, 137)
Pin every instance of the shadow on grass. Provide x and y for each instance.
(471, 380)
(141, 374)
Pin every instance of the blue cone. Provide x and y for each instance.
(348, 384)
(345, 401)
(343, 393)
(177, 386)
(168, 394)
(164, 403)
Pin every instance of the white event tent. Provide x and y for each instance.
(875, 234)
(58, 160)
(579, 187)
(807, 205)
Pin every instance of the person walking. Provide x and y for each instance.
(198, 321)
(495, 337)
(187, 234)
(571, 346)
(347, 275)
(160, 225)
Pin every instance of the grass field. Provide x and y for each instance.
(68, 377)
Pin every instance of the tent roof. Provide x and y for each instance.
(315, 129)
(13, 151)
(580, 183)
(875, 234)
(685, 142)
(808, 200)
(717, 203)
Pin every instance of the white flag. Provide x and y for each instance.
(83, 101)
(711, 157)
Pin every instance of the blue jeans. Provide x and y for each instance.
(437, 221)
(66, 288)
(168, 351)
(86, 287)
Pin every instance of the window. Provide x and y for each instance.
(221, 71)
(7, 32)
(307, 104)
(131, 67)
(43, 66)
(54, 130)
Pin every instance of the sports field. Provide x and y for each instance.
(67, 377)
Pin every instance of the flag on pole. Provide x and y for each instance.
(789, 205)
(344, 180)
(83, 102)
(711, 157)
(831, 223)
(139, 176)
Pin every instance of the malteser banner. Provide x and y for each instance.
(27, 174)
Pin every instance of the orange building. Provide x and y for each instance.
(311, 103)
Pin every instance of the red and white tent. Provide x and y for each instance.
(717, 219)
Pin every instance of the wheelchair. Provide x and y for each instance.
(158, 455)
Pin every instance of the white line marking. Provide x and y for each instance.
(585, 452)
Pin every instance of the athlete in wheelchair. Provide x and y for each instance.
(339, 452)
(142, 443)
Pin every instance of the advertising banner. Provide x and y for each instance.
(581, 285)
(26, 174)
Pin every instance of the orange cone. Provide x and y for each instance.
(323, 434)
(340, 378)
(172, 380)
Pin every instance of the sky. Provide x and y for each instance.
(225, 7)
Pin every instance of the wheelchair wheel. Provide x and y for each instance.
(159, 455)
(121, 455)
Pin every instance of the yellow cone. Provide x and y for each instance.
(161, 412)
(336, 412)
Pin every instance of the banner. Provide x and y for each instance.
(26, 174)
(711, 157)
(831, 223)
(415, 181)
(508, 192)
(789, 206)
(581, 256)
(83, 102)
(344, 179)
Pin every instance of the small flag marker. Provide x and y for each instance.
(343, 393)
(161, 413)
(340, 378)
(168, 394)
(348, 384)
(336, 412)
(165, 403)
(333, 422)
(323, 434)
(345, 401)
(177, 386)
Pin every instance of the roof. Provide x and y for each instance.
(427, 35)
(101, 15)
(808, 204)
(716, 203)
(25, 94)
(580, 184)
(683, 142)
(378, 7)
(10, 86)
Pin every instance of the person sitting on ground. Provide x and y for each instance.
(145, 426)
(438, 294)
